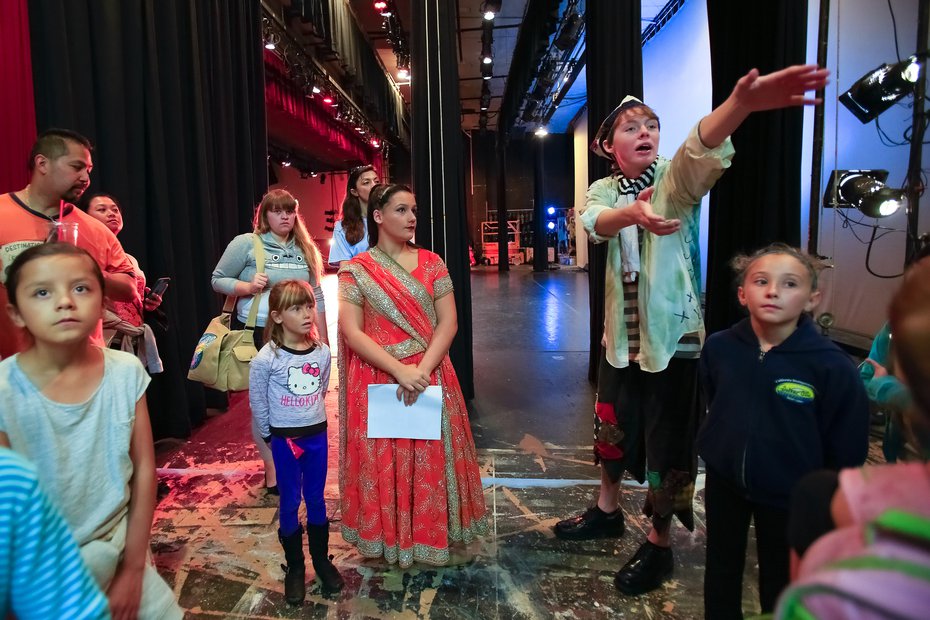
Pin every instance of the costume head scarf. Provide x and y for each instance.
(603, 132)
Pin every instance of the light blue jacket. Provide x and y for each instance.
(670, 265)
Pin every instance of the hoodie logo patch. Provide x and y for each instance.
(795, 391)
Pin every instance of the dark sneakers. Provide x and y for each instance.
(594, 523)
(646, 570)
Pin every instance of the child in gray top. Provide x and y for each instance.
(289, 378)
(78, 412)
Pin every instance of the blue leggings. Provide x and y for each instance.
(308, 473)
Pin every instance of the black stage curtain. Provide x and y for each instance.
(171, 93)
(615, 69)
(758, 200)
(438, 167)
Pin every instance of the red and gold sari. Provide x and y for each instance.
(407, 500)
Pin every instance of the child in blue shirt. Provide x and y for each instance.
(41, 571)
(782, 401)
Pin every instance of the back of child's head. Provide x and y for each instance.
(742, 262)
(46, 250)
(284, 295)
(909, 316)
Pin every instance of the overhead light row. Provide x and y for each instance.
(555, 68)
(304, 74)
(390, 23)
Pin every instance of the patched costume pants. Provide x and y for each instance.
(646, 423)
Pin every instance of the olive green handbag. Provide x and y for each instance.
(222, 355)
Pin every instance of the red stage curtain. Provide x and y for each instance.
(18, 116)
(314, 120)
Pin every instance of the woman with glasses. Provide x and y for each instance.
(350, 234)
(290, 253)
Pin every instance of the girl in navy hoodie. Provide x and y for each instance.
(783, 400)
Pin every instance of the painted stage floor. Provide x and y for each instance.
(214, 540)
(214, 537)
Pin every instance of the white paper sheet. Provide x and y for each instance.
(390, 418)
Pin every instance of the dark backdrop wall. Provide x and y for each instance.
(171, 93)
(558, 181)
(758, 200)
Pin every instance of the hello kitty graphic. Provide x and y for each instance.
(304, 380)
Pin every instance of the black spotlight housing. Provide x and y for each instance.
(485, 96)
(879, 89)
(568, 35)
(864, 190)
(529, 111)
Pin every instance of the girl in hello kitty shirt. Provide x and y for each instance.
(289, 378)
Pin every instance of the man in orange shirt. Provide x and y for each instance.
(60, 164)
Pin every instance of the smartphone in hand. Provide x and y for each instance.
(161, 285)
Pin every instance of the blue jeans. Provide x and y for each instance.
(307, 474)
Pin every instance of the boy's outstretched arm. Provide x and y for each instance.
(125, 591)
(755, 93)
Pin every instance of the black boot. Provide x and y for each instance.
(295, 590)
(318, 543)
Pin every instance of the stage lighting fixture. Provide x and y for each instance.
(491, 6)
(286, 162)
(878, 90)
(483, 121)
(865, 190)
(485, 96)
(403, 73)
(487, 71)
(571, 30)
(541, 132)
(487, 39)
(529, 111)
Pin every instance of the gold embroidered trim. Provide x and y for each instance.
(436, 556)
(382, 303)
(403, 350)
(416, 288)
(442, 286)
(348, 291)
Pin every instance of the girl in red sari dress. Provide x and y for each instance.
(404, 499)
